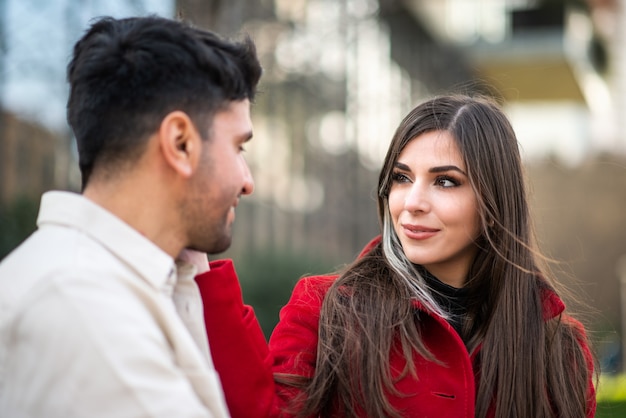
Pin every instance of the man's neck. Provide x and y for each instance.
(142, 206)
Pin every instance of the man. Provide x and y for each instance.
(96, 317)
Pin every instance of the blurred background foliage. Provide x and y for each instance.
(267, 277)
(338, 77)
(17, 221)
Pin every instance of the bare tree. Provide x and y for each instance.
(223, 16)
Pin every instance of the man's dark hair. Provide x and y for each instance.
(126, 75)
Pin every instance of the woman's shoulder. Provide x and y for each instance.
(313, 287)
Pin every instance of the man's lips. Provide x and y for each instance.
(418, 232)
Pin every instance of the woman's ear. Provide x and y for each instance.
(179, 142)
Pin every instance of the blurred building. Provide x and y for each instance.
(545, 59)
(32, 160)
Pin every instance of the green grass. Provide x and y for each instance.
(611, 396)
(612, 388)
(611, 409)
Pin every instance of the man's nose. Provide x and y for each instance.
(248, 181)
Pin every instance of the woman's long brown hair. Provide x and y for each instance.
(528, 366)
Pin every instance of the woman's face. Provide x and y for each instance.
(433, 207)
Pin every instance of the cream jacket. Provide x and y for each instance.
(96, 321)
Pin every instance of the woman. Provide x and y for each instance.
(448, 314)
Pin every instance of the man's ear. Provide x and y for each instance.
(179, 143)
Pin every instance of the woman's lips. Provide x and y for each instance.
(419, 232)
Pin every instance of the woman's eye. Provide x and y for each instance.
(446, 182)
(399, 178)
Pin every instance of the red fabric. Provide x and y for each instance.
(238, 346)
(246, 365)
(441, 391)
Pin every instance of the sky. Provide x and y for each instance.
(39, 37)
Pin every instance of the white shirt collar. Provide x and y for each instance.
(138, 252)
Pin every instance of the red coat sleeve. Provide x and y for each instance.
(238, 346)
(240, 353)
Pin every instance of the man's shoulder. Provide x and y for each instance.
(55, 263)
(49, 250)
(78, 295)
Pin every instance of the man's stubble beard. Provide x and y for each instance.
(212, 239)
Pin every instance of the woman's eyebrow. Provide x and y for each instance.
(438, 169)
(402, 166)
(444, 168)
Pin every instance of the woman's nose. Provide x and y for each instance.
(417, 199)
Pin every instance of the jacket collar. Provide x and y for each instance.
(127, 244)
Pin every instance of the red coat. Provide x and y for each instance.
(245, 363)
